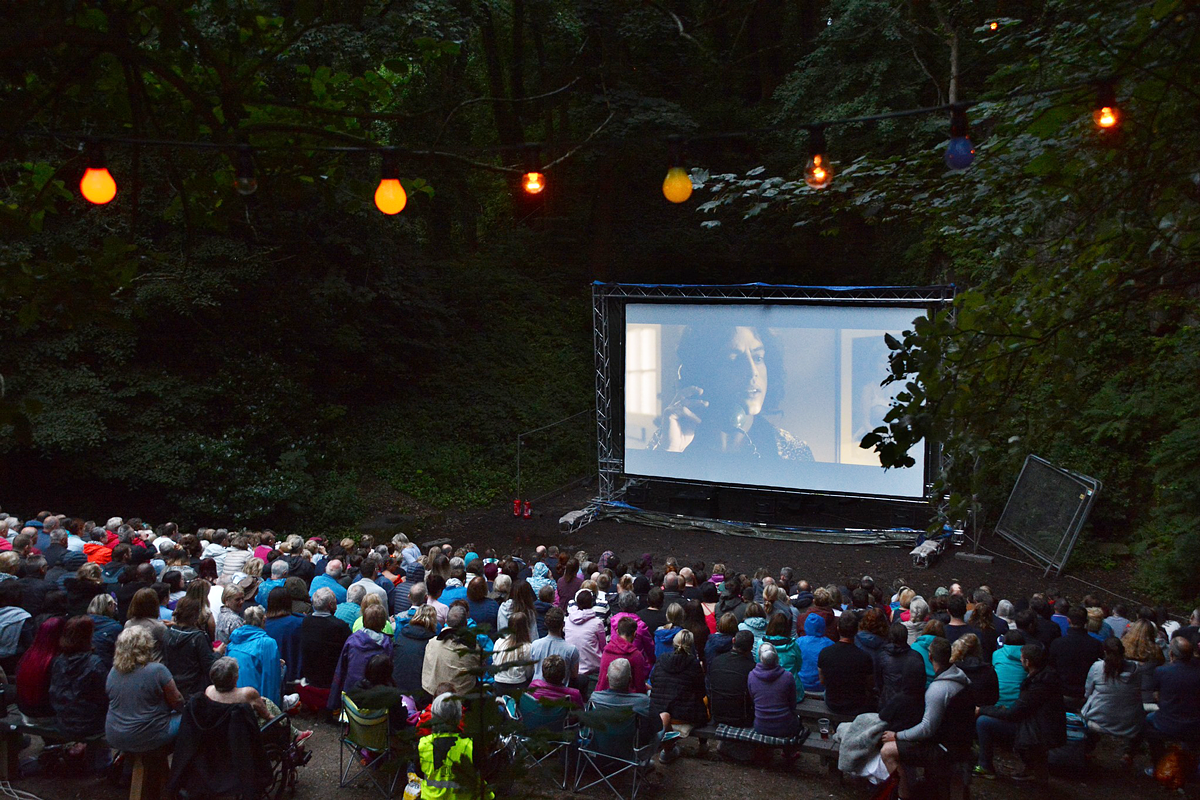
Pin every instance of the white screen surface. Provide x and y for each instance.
(764, 395)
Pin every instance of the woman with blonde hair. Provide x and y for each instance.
(144, 704)
(389, 627)
(665, 635)
(967, 654)
(253, 567)
(82, 587)
(1141, 645)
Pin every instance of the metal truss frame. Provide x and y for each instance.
(608, 309)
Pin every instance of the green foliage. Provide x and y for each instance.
(1073, 332)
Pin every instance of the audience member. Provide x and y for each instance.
(622, 646)
(1073, 654)
(187, 651)
(257, 656)
(144, 705)
(773, 693)
(1034, 724)
(847, 672)
(944, 733)
(408, 653)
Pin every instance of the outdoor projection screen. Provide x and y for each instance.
(766, 395)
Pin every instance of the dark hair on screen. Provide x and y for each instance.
(699, 344)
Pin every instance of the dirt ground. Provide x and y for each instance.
(694, 775)
(1010, 575)
(707, 775)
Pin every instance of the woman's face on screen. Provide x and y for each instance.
(740, 373)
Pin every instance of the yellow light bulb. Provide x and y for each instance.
(533, 182)
(994, 25)
(1106, 117)
(390, 197)
(97, 185)
(677, 187)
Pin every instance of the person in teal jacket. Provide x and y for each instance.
(257, 655)
(1010, 671)
(755, 621)
(933, 630)
(811, 644)
(779, 629)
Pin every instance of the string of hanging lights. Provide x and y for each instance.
(98, 186)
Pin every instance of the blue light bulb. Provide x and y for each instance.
(959, 152)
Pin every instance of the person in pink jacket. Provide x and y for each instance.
(623, 646)
(585, 630)
(627, 604)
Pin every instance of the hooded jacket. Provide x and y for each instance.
(731, 604)
(664, 639)
(541, 577)
(922, 648)
(219, 751)
(12, 624)
(1009, 673)
(899, 670)
(869, 642)
(620, 648)
(949, 717)
(258, 662)
(642, 638)
(1039, 712)
(717, 644)
(758, 627)
(811, 644)
(915, 629)
(790, 657)
(585, 630)
(80, 594)
(352, 664)
(97, 553)
(678, 683)
(77, 694)
(774, 694)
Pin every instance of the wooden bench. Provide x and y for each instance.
(150, 771)
(814, 709)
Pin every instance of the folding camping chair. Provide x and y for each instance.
(610, 744)
(545, 733)
(366, 744)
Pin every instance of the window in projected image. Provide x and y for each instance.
(774, 396)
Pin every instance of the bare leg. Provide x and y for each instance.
(666, 723)
(891, 760)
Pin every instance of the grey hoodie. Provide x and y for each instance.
(939, 694)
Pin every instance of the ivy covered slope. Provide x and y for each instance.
(1074, 333)
(188, 351)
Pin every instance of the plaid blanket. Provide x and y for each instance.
(750, 735)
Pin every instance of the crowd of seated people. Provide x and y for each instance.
(107, 630)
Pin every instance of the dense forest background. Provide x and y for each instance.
(193, 352)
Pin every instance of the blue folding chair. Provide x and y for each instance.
(546, 733)
(610, 743)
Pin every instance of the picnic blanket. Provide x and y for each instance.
(750, 735)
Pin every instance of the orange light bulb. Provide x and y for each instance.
(390, 197)
(818, 173)
(678, 185)
(97, 185)
(533, 182)
(1106, 117)
(994, 26)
